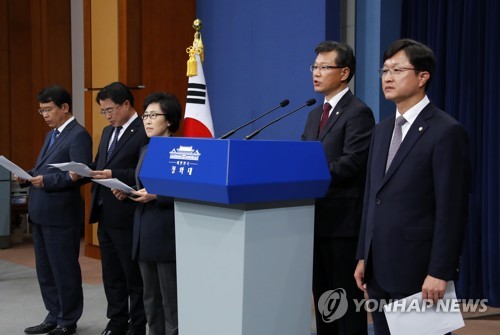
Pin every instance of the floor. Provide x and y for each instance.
(18, 285)
(22, 305)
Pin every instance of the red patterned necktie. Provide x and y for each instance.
(324, 116)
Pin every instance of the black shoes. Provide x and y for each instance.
(50, 329)
(110, 332)
(42, 328)
(62, 330)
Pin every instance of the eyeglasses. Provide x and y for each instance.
(44, 110)
(324, 68)
(395, 72)
(110, 110)
(152, 116)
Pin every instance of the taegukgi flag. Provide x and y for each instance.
(197, 117)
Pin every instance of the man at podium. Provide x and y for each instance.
(343, 125)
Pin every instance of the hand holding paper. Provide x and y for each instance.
(102, 174)
(414, 316)
(79, 168)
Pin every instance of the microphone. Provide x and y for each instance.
(282, 104)
(309, 102)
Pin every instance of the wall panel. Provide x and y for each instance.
(138, 43)
(35, 52)
(257, 54)
(4, 80)
(23, 119)
(165, 40)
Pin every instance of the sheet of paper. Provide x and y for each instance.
(413, 316)
(14, 168)
(79, 168)
(114, 183)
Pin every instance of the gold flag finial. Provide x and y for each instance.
(196, 48)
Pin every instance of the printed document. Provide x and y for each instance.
(114, 183)
(14, 168)
(413, 316)
(79, 168)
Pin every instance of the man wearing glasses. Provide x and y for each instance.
(117, 157)
(56, 213)
(343, 125)
(416, 196)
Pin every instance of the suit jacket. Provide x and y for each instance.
(345, 139)
(59, 202)
(414, 215)
(116, 213)
(154, 226)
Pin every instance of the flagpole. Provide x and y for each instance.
(197, 116)
(195, 49)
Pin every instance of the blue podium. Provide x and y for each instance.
(244, 213)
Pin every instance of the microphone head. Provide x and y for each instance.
(284, 103)
(310, 102)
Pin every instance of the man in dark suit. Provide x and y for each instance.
(418, 179)
(56, 213)
(117, 157)
(343, 125)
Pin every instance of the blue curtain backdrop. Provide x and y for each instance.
(465, 36)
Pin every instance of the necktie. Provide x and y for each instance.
(113, 143)
(53, 137)
(110, 151)
(396, 140)
(324, 116)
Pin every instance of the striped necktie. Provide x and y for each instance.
(113, 143)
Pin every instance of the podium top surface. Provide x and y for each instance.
(235, 171)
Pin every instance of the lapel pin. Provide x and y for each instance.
(131, 130)
(421, 128)
(337, 113)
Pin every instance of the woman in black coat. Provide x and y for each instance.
(154, 226)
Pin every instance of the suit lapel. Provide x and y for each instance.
(103, 147)
(43, 152)
(139, 166)
(383, 141)
(335, 114)
(315, 120)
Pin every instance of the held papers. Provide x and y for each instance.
(84, 171)
(14, 168)
(114, 183)
(79, 168)
(413, 316)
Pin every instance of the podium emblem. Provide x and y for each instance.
(185, 153)
(183, 156)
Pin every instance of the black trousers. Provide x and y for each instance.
(160, 297)
(122, 281)
(333, 268)
(57, 249)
